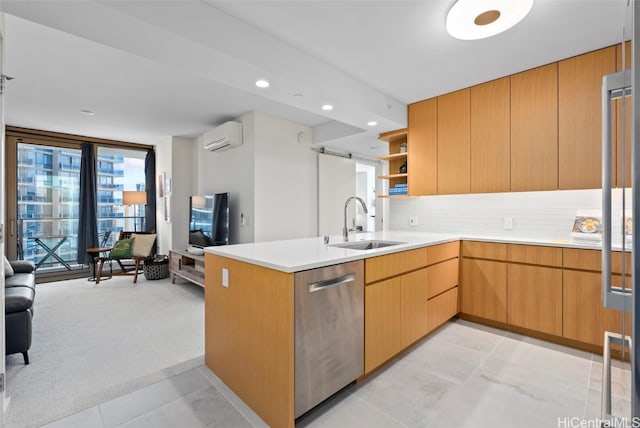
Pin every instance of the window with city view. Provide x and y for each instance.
(48, 196)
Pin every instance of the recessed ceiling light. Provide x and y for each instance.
(262, 83)
(298, 96)
(372, 123)
(87, 112)
(327, 107)
(478, 19)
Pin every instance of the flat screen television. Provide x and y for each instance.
(209, 220)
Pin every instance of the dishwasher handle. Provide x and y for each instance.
(328, 283)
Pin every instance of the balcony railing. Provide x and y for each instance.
(51, 230)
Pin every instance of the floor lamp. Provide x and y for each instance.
(130, 197)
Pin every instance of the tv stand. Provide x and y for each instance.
(186, 265)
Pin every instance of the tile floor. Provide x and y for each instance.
(463, 375)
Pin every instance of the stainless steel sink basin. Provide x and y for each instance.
(367, 245)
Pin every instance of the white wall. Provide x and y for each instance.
(336, 183)
(285, 180)
(538, 215)
(231, 171)
(164, 153)
(181, 188)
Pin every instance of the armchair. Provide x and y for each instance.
(129, 247)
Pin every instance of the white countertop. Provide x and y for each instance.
(296, 255)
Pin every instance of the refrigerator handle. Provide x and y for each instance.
(614, 86)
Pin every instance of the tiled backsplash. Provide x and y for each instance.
(539, 215)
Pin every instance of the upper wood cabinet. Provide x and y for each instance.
(534, 129)
(453, 143)
(580, 118)
(491, 136)
(422, 158)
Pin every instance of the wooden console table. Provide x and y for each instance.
(187, 266)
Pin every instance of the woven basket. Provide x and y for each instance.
(156, 269)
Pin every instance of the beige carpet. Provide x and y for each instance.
(92, 343)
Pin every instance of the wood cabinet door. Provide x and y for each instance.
(454, 152)
(584, 317)
(534, 129)
(422, 148)
(382, 338)
(491, 136)
(413, 306)
(580, 118)
(484, 289)
(535, 298)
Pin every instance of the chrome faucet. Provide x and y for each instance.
(345, 231)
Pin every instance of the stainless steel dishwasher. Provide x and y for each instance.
(329, 331)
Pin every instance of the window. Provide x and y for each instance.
(43, 191)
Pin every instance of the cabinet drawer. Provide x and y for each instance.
(442, 308)
(616, 262)
(377, 268)
(534, 254)
(484, 250)
(438, 253)
(441, 277)
(574, 258)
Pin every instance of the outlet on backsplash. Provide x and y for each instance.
(508, 223)
(413, 220)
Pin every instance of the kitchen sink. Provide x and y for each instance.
(367, 245)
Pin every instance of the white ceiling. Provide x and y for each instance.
(155, 69)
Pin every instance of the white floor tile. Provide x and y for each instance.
(137, 403)
(89, 418)
(406, 393)
(204, 408)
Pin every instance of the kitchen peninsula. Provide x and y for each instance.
(250, 316)
(525, 285)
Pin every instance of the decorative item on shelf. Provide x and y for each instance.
(403, 168)
(398, 189)
(403, 147)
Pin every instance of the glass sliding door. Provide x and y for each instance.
(47, 196)
(43, 197)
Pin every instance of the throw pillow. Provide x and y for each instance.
(143, 244)
(8, 270)
(197, 238)
(122, 249)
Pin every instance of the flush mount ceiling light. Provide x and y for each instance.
(478, 19)
(327, 107)
(262, 83)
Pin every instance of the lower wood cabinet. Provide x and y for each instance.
(442, 308)
(544, 289)
(585, 319)
(402, 309)
(381, 322)
(484, 289)
(534, 298)
(413, 304)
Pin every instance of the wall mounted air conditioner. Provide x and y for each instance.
(224, 137)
